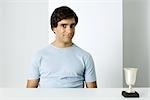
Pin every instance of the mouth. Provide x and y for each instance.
(67, 36)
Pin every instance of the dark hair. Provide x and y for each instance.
(61, 13)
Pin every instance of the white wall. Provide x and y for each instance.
(1, 7)
(25, 29)
(99, 31)
(137, 38)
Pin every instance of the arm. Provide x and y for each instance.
(91, 85)
(32, 83)
(33, 74)
(90, 74)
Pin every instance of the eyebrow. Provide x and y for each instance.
(67, 24)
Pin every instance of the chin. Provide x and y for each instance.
(67, 42)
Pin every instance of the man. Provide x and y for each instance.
(62, 64)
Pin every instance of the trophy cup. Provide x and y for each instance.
(130, 78)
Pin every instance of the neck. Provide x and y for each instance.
(61, 45)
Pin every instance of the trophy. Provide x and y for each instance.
(130, 78)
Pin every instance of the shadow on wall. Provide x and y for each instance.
(136, 41)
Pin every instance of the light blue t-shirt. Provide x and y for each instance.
(62, 67)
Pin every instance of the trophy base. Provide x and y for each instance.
(130, 95)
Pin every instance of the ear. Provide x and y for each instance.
(54, 30)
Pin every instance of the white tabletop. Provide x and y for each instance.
(69, 94)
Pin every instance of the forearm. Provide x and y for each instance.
(91, 85)
(32, 83)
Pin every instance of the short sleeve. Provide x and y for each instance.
(33, 71)
(90, 75)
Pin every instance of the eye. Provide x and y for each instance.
(64, 25)
(72, 26)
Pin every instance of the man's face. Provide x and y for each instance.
(65, 30)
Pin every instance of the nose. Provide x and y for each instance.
(69, 30)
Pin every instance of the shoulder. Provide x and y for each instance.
(39, 53)
(81, 51)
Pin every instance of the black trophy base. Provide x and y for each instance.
(130, 95)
